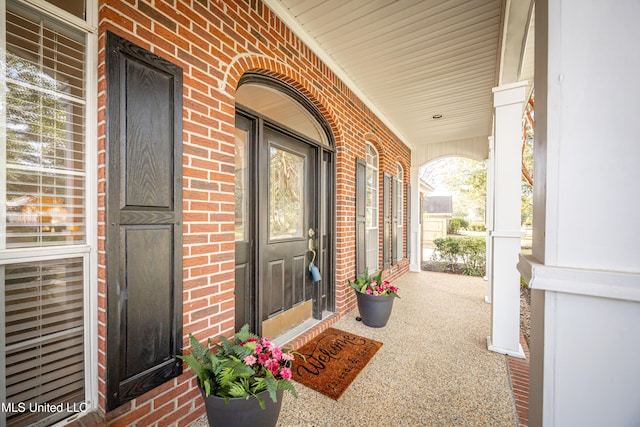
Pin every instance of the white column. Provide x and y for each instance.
(488, 221)
(414, 227)
(584, 270)
(505, 237)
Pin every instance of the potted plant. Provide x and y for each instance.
(241, 379)
(375, 298)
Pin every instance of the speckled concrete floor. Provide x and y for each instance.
(433, 369)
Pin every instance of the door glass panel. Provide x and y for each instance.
(241, 184)
(286, 194)
(280, 108)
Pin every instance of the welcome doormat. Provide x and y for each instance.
(333, 360)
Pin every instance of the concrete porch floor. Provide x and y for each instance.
(433, 369)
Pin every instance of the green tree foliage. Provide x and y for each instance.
(464, 179)
(527, 190)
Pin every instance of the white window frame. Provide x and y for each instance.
(372, 244)
(400, 200)
(87, 251)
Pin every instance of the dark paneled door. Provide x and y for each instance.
(287, 224)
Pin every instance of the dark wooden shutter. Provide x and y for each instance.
(143, 220)
(396, 252)
(408, 223)
(386, 226)
(361, 205)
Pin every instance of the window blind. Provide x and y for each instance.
(45, 149)
(398, 250)
(372, 208)
(44, 168)
(44, 341)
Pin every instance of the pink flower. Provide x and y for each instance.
(273, 366)
(265, 342)
(369, 291)
(287, 356)
(258, 348)
(277, 353)
(285, 373)
(250, 360)
(375, 293)
(263, 358)
(393, 289)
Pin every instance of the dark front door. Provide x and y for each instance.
(287, 224)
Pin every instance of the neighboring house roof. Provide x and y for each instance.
(438, 204)
(425, 187)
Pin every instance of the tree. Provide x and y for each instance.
(527, 163)
(464, 179)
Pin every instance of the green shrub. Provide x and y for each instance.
(468, 252)
(474, 255)
(476, 226)
(455, 224)
(447, 251)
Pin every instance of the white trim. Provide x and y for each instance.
(506, 233)
(53, 11)
(595, 283)
(509, 94)
(42, 253)
(91, 210)
(293, 24)
(519, 354)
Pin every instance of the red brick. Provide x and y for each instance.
(204, 40)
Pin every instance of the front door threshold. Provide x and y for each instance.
(298, 330)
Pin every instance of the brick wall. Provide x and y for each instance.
(216, 42)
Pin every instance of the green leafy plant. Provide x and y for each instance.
(447, 251)
(477, 226)
(456, 224)
(373, 285)
(242, 366)
(473, 252)
(467, 253)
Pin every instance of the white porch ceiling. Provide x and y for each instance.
(410, 59)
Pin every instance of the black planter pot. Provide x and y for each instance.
(374, 310)
(241, 412)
